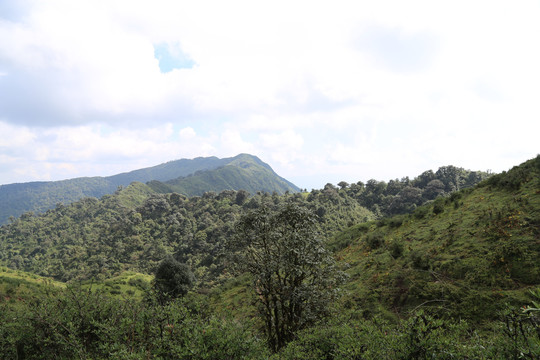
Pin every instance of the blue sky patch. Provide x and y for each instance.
(172, 57)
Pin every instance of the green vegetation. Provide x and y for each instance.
(99, 239)
(454, 276)
(467, 255)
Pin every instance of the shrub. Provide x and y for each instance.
(396, 248)
(421, 212)
(438, 206)
(374, 240)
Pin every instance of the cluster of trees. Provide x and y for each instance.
(295, 279)
(100, 238)
(404, 196)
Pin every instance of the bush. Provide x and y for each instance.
(438, 206)
(396, 248)
(86, 324)
(421, 212)
(374, 240)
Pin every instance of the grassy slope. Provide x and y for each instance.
(479, 251)
(16, 285)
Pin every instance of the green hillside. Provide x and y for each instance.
(466, 255)
(38, 197)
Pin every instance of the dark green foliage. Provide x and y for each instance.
(516, 176)
(87, 324)
(396, 248)
(438, 206)
(396, 221)
(405, 195)
(418, 260)
(421, 212)
(173, 279)
(101, 238)
(294, 277)
(522, 333)
(420, 336)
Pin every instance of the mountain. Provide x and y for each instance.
(244, 172)
(17, 199)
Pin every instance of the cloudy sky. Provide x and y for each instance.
(322, 91)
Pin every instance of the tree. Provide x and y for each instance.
(173, 279)
(343, 185)
(294, 277)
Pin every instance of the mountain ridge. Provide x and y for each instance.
(40, 196)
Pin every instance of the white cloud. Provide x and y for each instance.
(187, 133)
(313, 88)
(233, 144)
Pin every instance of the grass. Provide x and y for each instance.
(19, 285)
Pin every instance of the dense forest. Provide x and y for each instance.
(135, 228)
(441, 266)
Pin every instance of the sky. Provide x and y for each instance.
(321, 91)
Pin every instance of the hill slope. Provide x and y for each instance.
(466, 254)
(17, 199)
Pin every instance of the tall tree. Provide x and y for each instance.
(294, 277)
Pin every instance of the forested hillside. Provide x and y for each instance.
(455, 274)
(37, 197)
(101, 238)
(135, 228)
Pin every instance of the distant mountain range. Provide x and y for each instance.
(186, 176)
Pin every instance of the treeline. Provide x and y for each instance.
(404, 196)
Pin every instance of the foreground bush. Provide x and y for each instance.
(85, 324)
